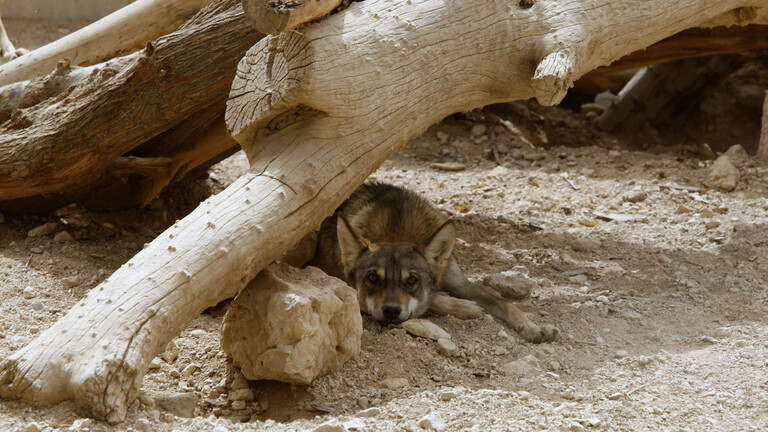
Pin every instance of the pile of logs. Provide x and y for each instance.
(316, 109)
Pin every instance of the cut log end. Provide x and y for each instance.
(275, 16)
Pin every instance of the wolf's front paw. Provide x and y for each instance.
(538, 334)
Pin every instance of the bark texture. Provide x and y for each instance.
(317, 112)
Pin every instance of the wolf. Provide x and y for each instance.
(395, 249)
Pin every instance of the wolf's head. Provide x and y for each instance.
(395, 281)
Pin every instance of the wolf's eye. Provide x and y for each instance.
(373, 277)
(412, 280)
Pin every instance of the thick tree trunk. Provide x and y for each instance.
(317, 111)
(70, 140)
(121, 32)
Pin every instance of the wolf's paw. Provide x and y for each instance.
(538, 334)
(444, 304)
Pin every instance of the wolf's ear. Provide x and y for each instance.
(440, 246)
(351, 245)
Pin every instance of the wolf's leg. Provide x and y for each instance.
(454, 282)
(443, 304)
(302, 252)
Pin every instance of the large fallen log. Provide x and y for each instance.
(68, 141)
(119, 33)
(316, 112)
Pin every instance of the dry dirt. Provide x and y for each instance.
(663, 321)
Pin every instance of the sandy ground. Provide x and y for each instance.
(663, 321)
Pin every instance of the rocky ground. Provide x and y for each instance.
(660, 292)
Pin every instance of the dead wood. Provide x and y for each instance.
(69, 140)
(119, 33)
(762, 149)
(274, 16)
(317, 112)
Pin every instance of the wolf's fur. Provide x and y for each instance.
(396, 250)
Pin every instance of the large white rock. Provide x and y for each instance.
(292, 325)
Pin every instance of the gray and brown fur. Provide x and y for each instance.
(396, 249)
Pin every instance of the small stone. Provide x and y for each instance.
(242, 394)
(533, 156)
(603, 299)
(220, 429)
(175, 373)
(81, 424)
(442, 137)
(180, 405)
(721, 332)
(189, 370)
(448, 166)
(28, 293)
(478, 129)
(156, 363)
(447, 395)
(576, 426)
(723, 174)
(370, 412)
(585, 244)
(330, 426)
(31, 427)
(707, 214)
(239, 383)
(38, 306)
(198, 333)
(143, 425)
(394, 383)
(631, 315)
(355, 425)
(431, 422)
(620, 354)
(71, 281)
(682, 209)
(711, 224)
(36, 250)
(635, 196)
(237, 405)
(737, 154)
(527, 365)
(502, 148)
(43, 230)
(511, 284)
(424, 328)
(615, 396)
(446, 347)
(587, 221)
(171, 352)
(64, 237)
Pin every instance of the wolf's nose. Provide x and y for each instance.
(391, 312)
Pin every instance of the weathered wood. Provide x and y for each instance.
(68, 141)
(274, 16)
(317, 112)
(762, 149)
(119, 33)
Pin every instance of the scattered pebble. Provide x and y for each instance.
(431, 421)
(527, 365)
(180, 404)
(370, 412)
(442, 137)
(237, 405)
(446, 347)
(424, 328)
(171, 352)
(682, 209)
(142, 425)
(723, 174)
(635, 196)
(478, 130)
(620, 354)
(43, 230)
(198, 333)
(189, 370)
(242, 394)
(448, 166)
(448, 394)
(64, 237)
(71, 281)
(394, 383)
(81, 424)
(585, 244)
(31, 427)
(28, 293)
(603, 299)
(155, 364)
(36, 250)
(330, 426)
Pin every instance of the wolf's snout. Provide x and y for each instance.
(391, 313)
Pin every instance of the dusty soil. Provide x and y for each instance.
(663, 321)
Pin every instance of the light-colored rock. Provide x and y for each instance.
(511, 284)
(330, 426)
(64, 237)
(82, 424)
(370, 412)
(635, 196)
(724, 174)
(156, 363)
(237, 405)
(189, 370)
(143, 425)
(448, 394)
(242, 394)
(527, 365)
(446, 347)
(28, 293)
(620, 354)
(394, 383)
(448, 166)
(180, 405)
(585, 244)
(478, 130)
(31, 427)
(737, 154)
(171, 352)
(432, 422)
(72, 281)
(292, 325)
(426, 329)
(43, 230)
(198, 333)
